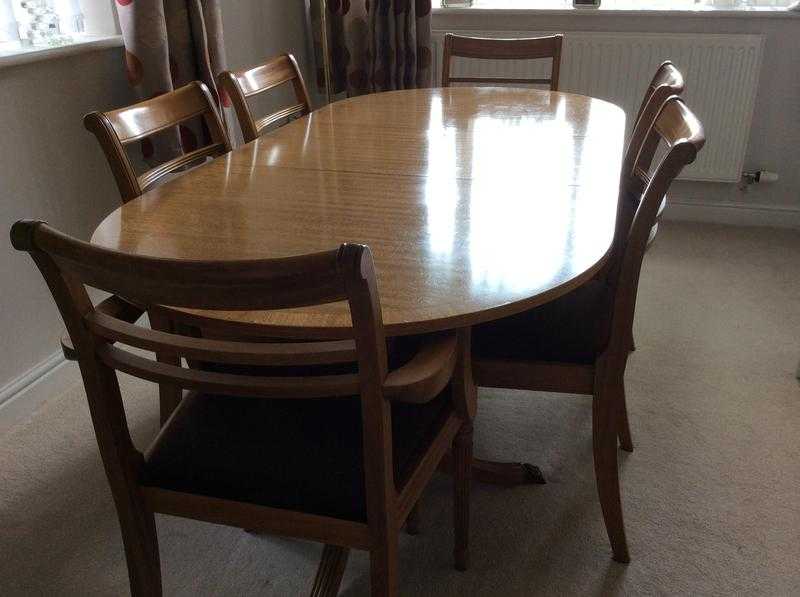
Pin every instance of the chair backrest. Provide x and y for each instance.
(119, 128)
(642, 146)
(246, 83)
(345, 274)
(666, 82)
(502, 49)
(681, 134)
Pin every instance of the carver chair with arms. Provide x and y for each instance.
(339, 457)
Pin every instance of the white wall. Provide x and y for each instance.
(775, 134)
(52, 169)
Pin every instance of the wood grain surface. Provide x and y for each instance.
(476, 202)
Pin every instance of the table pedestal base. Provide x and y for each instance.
(506, 473)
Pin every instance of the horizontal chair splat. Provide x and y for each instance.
(222, 351)
(296, 110)
(227, 383)
(152, 176)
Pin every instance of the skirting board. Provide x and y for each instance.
(22, 396)
(732, 214)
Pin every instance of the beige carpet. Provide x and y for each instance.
(711, 494)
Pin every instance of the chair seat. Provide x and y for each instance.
(302, 454)
(570, 329)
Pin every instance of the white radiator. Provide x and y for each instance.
(721, 74)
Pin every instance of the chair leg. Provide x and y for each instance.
(605, 423)
(413, 519)
(624, 432)
(384, 567)
(141, 551)
(330, 572)
(462, 476)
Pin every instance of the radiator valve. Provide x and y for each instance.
(759, 176)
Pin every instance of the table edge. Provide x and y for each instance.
(397, 329)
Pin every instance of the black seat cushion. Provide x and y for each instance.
(302, 455)
(570, 329)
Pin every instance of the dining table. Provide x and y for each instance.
(477, 203)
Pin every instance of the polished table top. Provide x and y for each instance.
(476, 202)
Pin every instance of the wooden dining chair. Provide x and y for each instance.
(243, 84)
(117, 129)
(482, 48)
(578, 344)
(339, 457)
(666, 82)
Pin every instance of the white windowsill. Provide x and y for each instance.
(653, 8)
(12, 54)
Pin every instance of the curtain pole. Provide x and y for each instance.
(326, 50)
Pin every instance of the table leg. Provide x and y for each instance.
(486, 471)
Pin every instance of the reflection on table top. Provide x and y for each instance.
(476, 202)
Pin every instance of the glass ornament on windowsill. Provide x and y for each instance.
(39, 25)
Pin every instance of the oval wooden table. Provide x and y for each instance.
(477, 203)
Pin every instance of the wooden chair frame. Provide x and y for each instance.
(667, 81)
(639, 153)
(119, 128)
(482, 48)
(345, 274)
(249, 82)
(683, 135)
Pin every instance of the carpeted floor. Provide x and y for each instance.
(711, 494)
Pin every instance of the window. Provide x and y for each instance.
(30, 26)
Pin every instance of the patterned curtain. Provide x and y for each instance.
(168, 44)
(375, 45)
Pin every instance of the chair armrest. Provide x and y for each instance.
(426, 374)
(114, 306)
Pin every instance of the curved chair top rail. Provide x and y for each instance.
(483, 48)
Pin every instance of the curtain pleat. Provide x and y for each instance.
(376, 45)
(168, 44)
